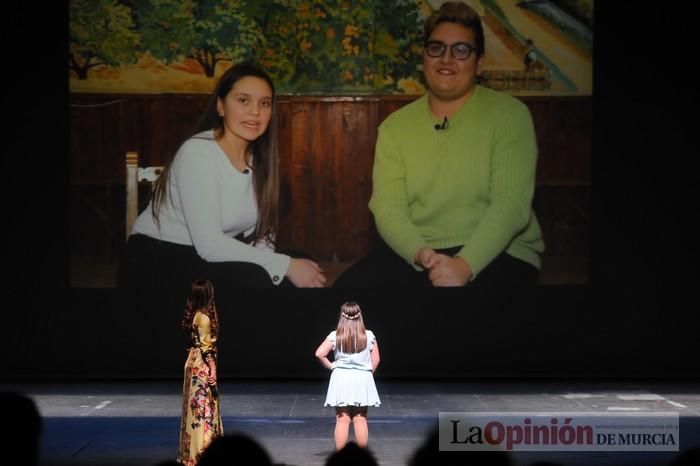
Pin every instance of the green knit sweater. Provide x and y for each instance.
(470, 184)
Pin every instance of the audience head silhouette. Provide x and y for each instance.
(352, 455)
(687, 458)
(26, 428)
(429, 454)
(234, 449)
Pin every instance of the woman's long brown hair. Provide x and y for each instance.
(201, 299)
(265, 160)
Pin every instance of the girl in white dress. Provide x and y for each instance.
(351, 389)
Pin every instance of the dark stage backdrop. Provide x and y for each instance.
(558, 332)
(636, 319)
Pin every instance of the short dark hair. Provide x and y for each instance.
(458, 13)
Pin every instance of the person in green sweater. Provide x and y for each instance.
(454, 176)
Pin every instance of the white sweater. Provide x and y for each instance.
(210, 203)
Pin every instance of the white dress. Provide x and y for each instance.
(352, 382)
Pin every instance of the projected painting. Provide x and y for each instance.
(319, 47)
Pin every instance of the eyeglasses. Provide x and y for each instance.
(459, 50)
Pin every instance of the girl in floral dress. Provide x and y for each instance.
(201, 416)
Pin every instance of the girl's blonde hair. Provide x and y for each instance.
(350, 336)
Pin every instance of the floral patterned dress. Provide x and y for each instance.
(201, 417)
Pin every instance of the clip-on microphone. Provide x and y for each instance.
(442, 126)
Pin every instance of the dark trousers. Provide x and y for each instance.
(155, 278)
(383, 268)
(149, 265)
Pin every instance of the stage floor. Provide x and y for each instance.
(136, 423)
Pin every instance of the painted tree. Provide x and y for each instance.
(279, 51)
(398, 42)
(355, 60)
(208, 31)
(317, 45)
(101, 32)
(360, 45)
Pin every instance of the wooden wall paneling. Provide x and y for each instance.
(564, 216)
(328, 186)
(145, 136)
(284, 145)
(181, 116)
(353, 172)
(326, 160)
(162, 123)
(564, 137)
(562, 195)
(301, 202)
(321, 131)
(97, 127)
(332, 144)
